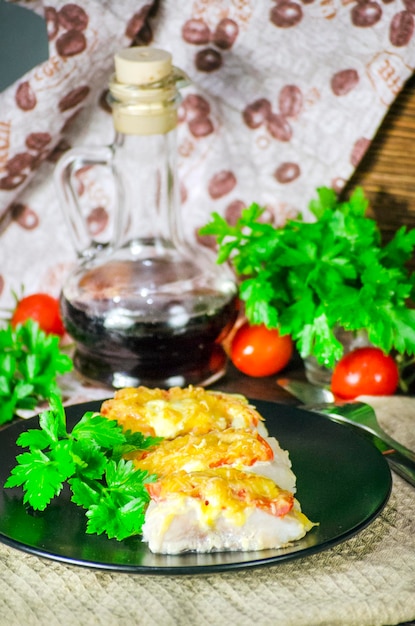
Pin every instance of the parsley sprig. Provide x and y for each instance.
(90, 459)
(30, 362)
(308, 278)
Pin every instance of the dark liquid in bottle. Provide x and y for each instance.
(179, 348)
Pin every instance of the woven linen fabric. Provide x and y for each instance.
(368, 580)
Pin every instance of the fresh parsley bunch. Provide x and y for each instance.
(90, 459)
(309, 278)
(30, 361)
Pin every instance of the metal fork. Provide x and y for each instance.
(363, 415)
(358, 415)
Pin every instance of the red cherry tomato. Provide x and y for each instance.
(260, 351)
(42, 308)
(365, 371)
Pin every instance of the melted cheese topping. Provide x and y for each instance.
(176, 411)
(239, 448)
(223, 491)
(210, 441)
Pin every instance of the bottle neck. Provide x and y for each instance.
(145, 168)
(143, 118)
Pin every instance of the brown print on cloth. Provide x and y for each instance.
(401, 29)
(71, 43)
(225, 33)
(257, 113)
(139, 28)
(97, 221)
(208, 60)
(286, 14)
(195, 111)
(344, 81)
(72, 16)
(279, 127)
(25, 97)
(73, 98)
(221, 184)
(195, 31)
(17, 167)
(10, 182)
(359, 150)
(207, 241)
(194, 106)
(38, 141)
(233, 211)
(366, 13)
(23, 215)
(52, 22)
(201, 127)
(290, 101)
(287, 172)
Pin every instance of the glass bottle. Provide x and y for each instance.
(145, 307)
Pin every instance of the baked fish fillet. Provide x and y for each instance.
(223, 483)
(242, 449)
(221, 509)
(169, 413)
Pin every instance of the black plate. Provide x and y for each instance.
(343, 483)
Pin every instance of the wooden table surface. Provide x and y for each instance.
(387, 171)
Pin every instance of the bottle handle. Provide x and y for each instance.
(67, 185)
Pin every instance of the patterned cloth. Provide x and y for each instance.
(368, 580)
(286, 96)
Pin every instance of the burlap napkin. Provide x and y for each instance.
(368, 580)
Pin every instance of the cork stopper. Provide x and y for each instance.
(142, 65)
(144, 91)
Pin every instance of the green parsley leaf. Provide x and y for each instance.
(104, 432)
(120, 509)
(85, 493)
(308, 278)
(30, 363)
(134, 441)
(42, 475)
(89, 459)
